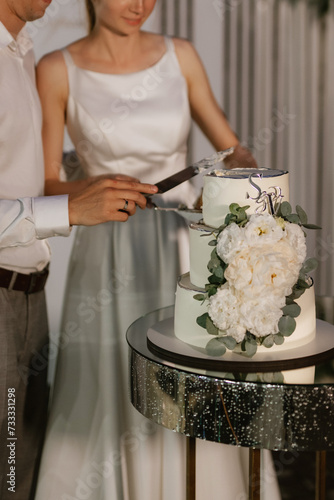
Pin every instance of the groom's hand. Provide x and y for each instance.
(107, 200)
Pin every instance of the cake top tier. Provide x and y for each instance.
(241, 186)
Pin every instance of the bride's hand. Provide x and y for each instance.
(241, 158)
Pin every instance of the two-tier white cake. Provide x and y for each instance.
(221, 189)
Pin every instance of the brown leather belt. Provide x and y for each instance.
(28, 283)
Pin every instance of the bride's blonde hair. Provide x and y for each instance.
(91, 14)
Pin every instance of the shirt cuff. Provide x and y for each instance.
(51, 216)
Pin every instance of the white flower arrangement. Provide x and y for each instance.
(258, 269)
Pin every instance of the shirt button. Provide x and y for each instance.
(12, 46)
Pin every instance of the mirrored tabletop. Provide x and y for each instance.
(257, 409)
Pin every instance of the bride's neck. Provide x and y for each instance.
(119, 49)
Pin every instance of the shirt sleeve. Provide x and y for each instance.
(26, 219)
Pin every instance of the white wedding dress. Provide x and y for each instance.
(98, 447)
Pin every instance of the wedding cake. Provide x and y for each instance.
(247, 290)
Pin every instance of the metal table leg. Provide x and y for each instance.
(191, 469)
(320, 475)
(254, 474)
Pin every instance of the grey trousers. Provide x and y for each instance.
(23, 391)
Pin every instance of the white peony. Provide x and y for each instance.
(265, 270)
(296, 239)
(237, 332)
(263, 229)
(230, 242)
(224, 311)
(261, 316)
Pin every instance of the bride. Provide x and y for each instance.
(127, 98)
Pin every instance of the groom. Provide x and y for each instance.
(26, 219)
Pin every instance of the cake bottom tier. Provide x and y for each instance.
(187, 309)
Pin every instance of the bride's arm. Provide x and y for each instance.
(204, 107)
(52, 84)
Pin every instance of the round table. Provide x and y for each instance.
(240, 409)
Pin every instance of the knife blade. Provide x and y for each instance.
(189, 172)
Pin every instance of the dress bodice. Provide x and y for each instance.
(135, 123)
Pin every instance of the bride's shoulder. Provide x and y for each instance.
(184, 48)
(51, 74)
(50, 58)
(187, 56)
(50, 65)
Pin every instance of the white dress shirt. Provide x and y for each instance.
(26, 217)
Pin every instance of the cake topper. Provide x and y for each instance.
(267, 200)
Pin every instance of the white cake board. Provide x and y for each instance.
(161, 341)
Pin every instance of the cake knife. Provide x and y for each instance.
(189, 172)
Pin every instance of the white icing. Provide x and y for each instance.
(221, 188)
(200, 252)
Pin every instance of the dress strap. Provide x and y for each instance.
(169, 44)
(68, 58)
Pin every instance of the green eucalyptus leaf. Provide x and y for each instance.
(242, 217)
(229, 219)
(215, 348)
(278, 339)
(268, 341)
(214, 260)
(311, 226)
(220, 230)
(199, 297)
(210, 327)
(301, 214)
(310, 265)
(214, 254)
(219, 272)
(211, 266)
(301, 283)
(285, 209)
(229, 342)
(212, 291)
(296, 293)
(293, 218)
(234, 208)
(250, 348)
(286, 325)
(214, 280)
(292, 310)
(216, 263)
(212, 243)
(201, 320)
